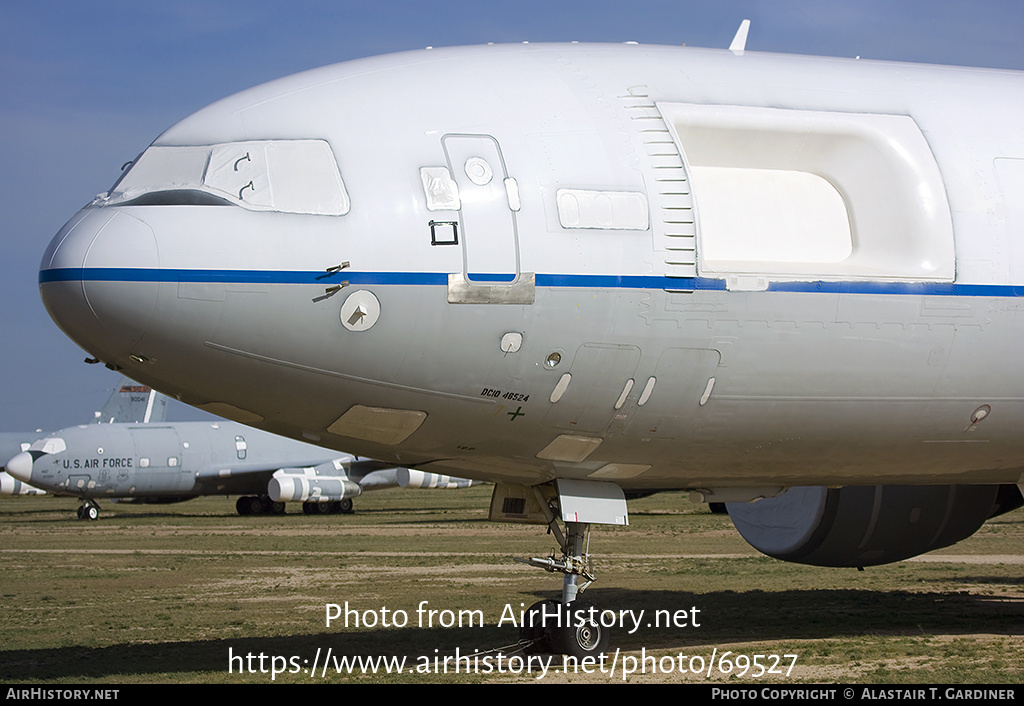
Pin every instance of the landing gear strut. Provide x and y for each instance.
(570, 626)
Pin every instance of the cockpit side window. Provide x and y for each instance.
(288, 176)
(177, 197)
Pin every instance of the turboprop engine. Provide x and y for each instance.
(869, 525)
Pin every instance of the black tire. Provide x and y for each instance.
(269, 507)
(242, 505)
(580, 635)
(346, 506)
(533, 633)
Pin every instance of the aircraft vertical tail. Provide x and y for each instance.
(132, 402)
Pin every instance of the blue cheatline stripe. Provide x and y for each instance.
(128, 274)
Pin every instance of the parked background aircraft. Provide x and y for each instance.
(176, 461)
(129, 402)
(129, 453)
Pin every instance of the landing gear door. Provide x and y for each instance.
(490, 241)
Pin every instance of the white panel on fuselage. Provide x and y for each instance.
(771, 176)
(771, 216)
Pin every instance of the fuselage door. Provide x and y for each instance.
(490, 248)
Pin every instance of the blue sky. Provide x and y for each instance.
(86, 86)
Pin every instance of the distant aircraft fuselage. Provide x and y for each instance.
(163, 461)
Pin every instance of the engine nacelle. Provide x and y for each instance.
(866, 526)
(9, 485)
(411, 478)
(308, 485)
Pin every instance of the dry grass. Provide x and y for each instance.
(162, 593)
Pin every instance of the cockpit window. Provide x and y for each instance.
(177, 197)
(289, 176)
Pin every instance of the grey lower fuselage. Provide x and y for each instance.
(896, 363)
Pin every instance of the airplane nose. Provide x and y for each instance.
(21, 467)
(92, 280)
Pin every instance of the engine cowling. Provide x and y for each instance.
(411, 478)
(9, 485)
(310, 485)
(867, 525)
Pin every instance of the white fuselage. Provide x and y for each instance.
(665, 268)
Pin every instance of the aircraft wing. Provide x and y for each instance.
(340, 479)
(333, 480)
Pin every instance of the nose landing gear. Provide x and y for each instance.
(569, 626)
(88, 510)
